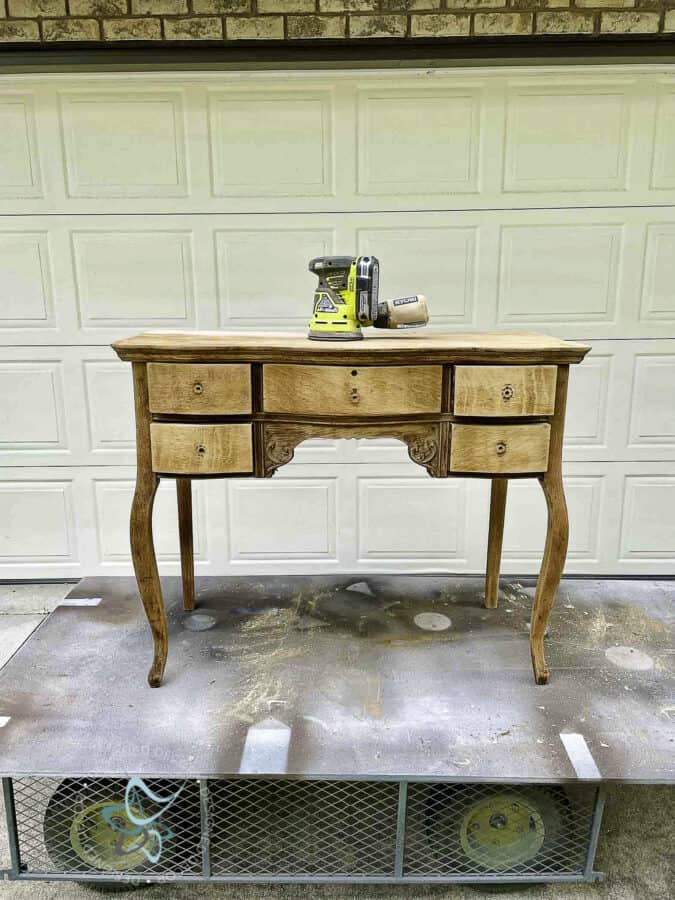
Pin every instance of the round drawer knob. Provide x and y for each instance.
(501, 448)
(507, 392)
(198, 387)
(201, 450)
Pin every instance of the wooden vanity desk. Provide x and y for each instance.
(210, 404)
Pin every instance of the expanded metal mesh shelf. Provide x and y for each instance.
(278, 829)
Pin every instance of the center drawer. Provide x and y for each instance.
(180, 449)
(352, 390)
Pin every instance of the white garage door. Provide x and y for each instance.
(515, 199)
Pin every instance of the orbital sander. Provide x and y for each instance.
(346, 298)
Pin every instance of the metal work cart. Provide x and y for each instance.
(320, 729)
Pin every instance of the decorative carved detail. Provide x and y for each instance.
(422, 451)
(277, 454)
(422, 439)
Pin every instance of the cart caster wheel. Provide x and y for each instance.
(507, 830)
(89, 829)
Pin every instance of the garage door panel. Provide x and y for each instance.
(20, 175)
(128, 144)
(648, 519)
(139, 277)
(262, 274)
(26, 286)
(663, 168)
(567, 138)
(658, 297)
(423, 142)
(439, 262)
(572, 269)
(271, 143)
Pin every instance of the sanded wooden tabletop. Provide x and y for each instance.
(403, 347)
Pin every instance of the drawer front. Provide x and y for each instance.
(200, 389)
(499, 449)
(352, 390)
(504, 390)
(179, 449)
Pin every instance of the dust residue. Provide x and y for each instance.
(265, 642)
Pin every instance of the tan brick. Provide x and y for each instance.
(158, 7)
(286, 6)
(597, 4)
(200, 28)
(439, 25)
(669, 22)
(348, 5)
(255, 28)
(502, 23)
(310, 27)
(474, 4)
(539, 4)
(71, 30)
(101, 8)
(629, 22)
(564, 23)
(377, 26)
(132, 30)
(409, 5)
(34, 8)
(19, 31)
(221, 6)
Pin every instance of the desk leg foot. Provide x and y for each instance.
(495, 539)
(187, 566)
(552, 564)
(147, 576)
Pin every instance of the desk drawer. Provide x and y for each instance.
(352, 390)
(499, 449)
(179, 449)
(200, 389)
(504, 390)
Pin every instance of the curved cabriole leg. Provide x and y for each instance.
(187, 566)
(552, 564)
(147, 576)
(495, 539)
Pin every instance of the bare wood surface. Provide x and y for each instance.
(557, 534)
(431, 347)
(504, 390)
(187, 563)
(358, 391)
(182, 449)
(142, 545)
(499, 449)
(495, 540)
(423, 439)
(200, 389)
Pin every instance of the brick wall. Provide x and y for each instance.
(72, 21)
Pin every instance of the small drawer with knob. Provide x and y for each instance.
(499, 449)
(352, 390)
(199, 389)
(181, 449)
(504, 390)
